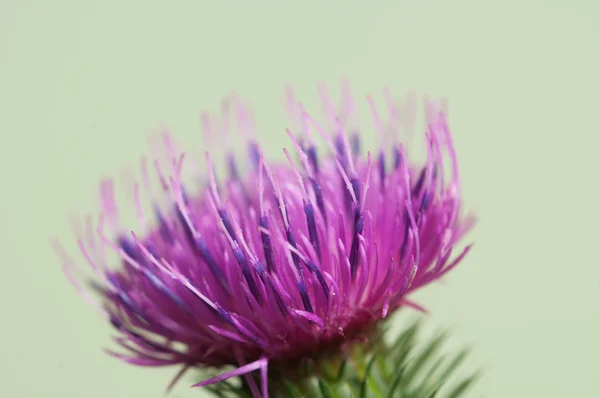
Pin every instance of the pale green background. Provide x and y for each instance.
(83, 82)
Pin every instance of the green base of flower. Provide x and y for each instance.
(374, 369)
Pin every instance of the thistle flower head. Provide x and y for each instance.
(279, 261)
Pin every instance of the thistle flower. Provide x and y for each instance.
(285, 261)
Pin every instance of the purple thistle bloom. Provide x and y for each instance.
(285, 260)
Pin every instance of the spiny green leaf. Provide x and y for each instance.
(395, 383)
(418, 362)
(374, 369)
(341, 370)
(436, 381)
(382, 369)
(430, 383)
(406, 337)
(367, 378)
(461, 387)
(309, 366)
(291, 390)
(324, 388)
(225, 388)
(434, 393)
(216, 391)
(354, 383)
(454, 364)
(403, 345)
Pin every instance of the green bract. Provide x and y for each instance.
(374, 369)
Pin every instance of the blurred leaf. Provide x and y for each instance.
(366, 378)
(291, 390)
(395, 383)
(461, 387)
(423, 359)
(342, 370)
(324, 388)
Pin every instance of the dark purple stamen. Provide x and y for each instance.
(125, 299)
(151, 249)
(345, 192)
(341, 157)
(312, 227)
(160, 286)
(235, 176)
(419, 184)
(292, 240)
(359, 221)
(204, 252)
(185, 196)
(260, 268)
(319, 196)
(149, 343)
(382, 169)
(132, 251)
(97, 287)
(227, 222)
(278, 299)
(302, 143)
(301, 283)
(266, 243)
(296, 260)
(189, 235)
(355, 184)
(311, 152)
(118, 324)
(254, 155)
(339, 145)
(239, 256)
(200, 246)
(312, 267)
(355, 187)
(233, 170)
(340, 149)
(163, 227)
(226, 315)
(355, 143)
(223, 313)
(425, 201)
(406, 223)
(397, 158)
(243, 263)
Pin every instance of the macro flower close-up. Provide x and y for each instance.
(258, 263)
(299, 199)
